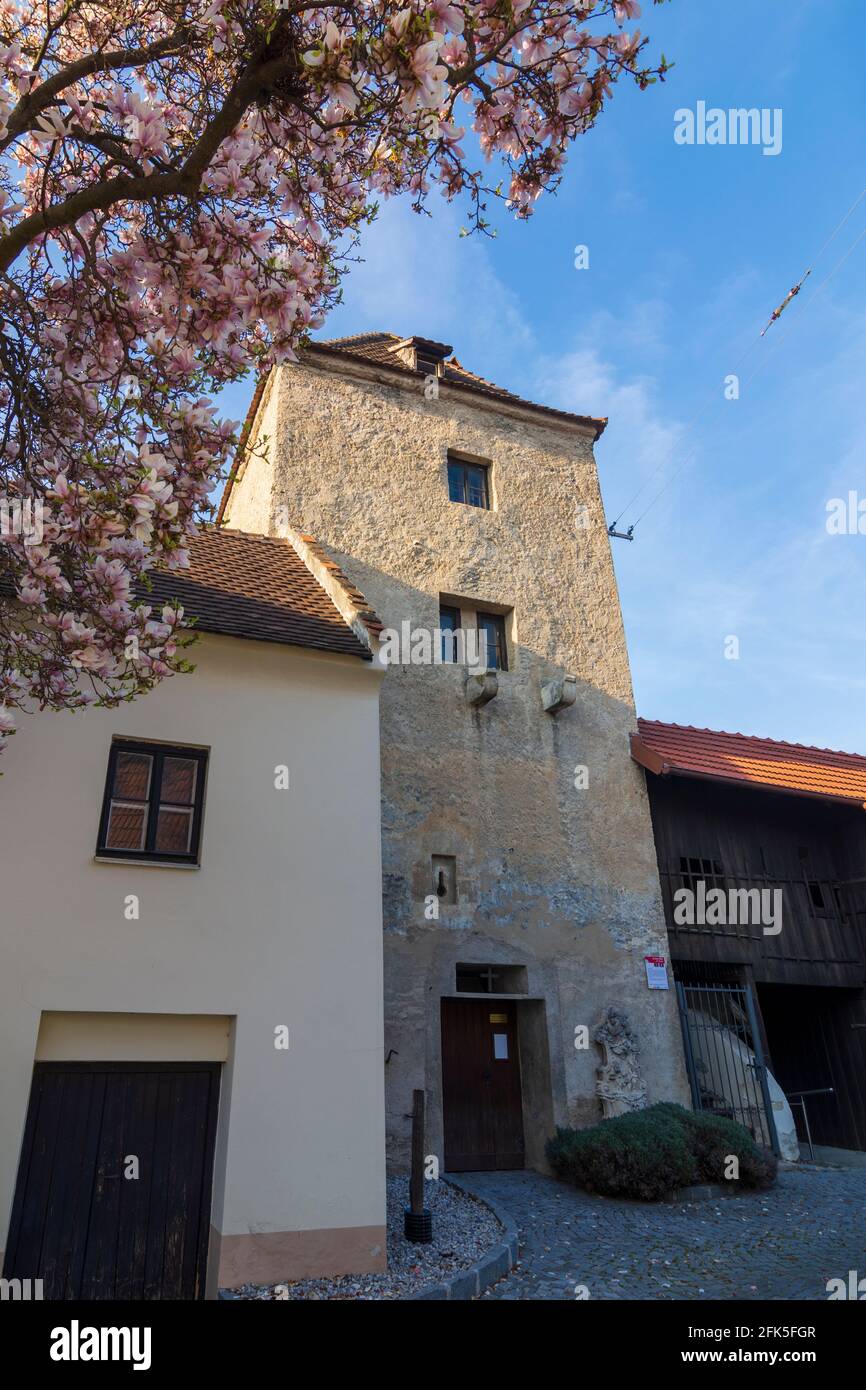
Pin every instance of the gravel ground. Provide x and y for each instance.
(464, 1229)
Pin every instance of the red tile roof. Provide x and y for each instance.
(758, 762)
(379, 348)
(256, 587)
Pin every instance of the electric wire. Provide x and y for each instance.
(778, 343)
(752, 345)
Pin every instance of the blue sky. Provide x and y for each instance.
(691, 248)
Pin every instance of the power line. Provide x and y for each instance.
(779, 341)
(629, 534)
(761, 364)
(711, 398)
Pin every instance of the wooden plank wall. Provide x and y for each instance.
(766, 840)
(810, 980)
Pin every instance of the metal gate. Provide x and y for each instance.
(724, 1057)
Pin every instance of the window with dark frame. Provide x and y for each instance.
(695, 870)
(449, 625)
(467, 483)
(816, 893)
(825, 899)
(493, 624)
(152, 808)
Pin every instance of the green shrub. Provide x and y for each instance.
(715, 1138)
(636, 1155)
(650, 1153)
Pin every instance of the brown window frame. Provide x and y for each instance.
(454, 461)
(451, 609)
(158, 752)
(500, 646)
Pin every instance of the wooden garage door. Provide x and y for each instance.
(78, 1222)
(481, 1095)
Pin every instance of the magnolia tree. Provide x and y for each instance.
(180, 183)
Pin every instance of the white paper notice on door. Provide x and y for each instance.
(500, 1047)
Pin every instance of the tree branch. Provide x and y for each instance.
(184, 181)
(22, 117)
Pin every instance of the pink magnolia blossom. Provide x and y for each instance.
(181, 185)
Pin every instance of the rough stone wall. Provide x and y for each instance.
(558, 879)
(255, 481)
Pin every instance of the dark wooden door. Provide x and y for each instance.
(78, 1222)
(481, 1095)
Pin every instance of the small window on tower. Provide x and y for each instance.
(492, 625)
(449, 626)
(468, 483)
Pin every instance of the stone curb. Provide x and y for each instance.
(498, 1261)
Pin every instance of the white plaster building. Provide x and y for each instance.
(173, 914)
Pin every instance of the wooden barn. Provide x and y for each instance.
(762, 857)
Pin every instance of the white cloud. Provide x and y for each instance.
(638, 439)
(737, 543)
(420, 276)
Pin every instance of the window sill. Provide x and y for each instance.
(142, 863)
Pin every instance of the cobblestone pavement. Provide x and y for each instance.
(774, 1245)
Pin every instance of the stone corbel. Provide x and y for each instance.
(558, 694)
(481, 687)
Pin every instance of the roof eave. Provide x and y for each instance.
(212, 629)
(655, 763)
(647, 757)
(589, 423)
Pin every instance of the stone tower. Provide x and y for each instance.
(520, 886)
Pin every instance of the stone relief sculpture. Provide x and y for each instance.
(620, 1085)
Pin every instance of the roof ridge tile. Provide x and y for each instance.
(752, 738)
